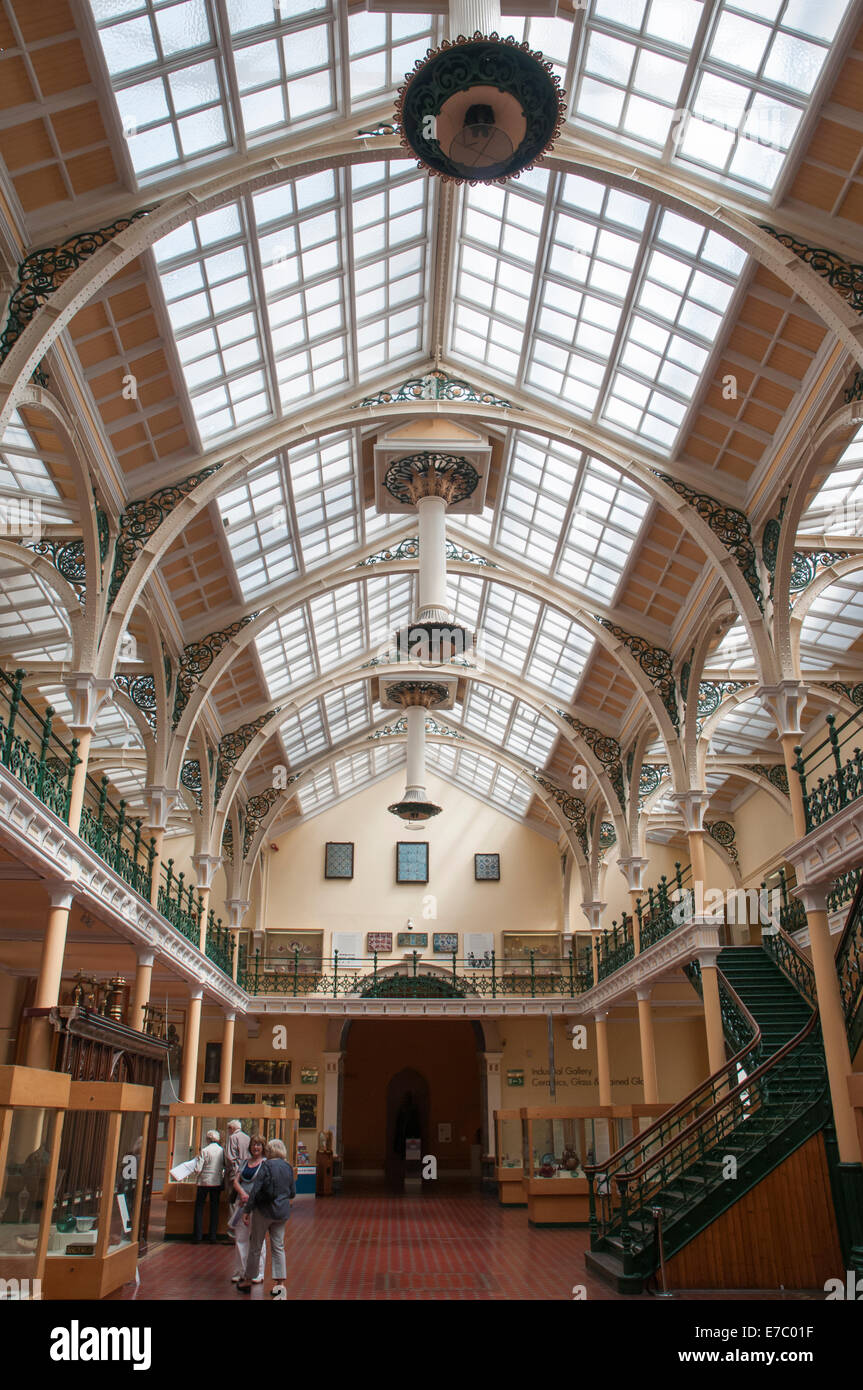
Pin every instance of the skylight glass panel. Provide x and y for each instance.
(390, 231)
(561, 651)
(389, 599)
(317, 790)
(303, 733)
(606, 519)
(734, 651)
(347, 710)
(323, 484)
(481, 777)
(256, 516)
(30, 615)
(833, 624)
(464, 596)
(744, 729)
(382, 48)
(488, 711)
(530, 735)
(338, 624)
(837, 507)
(508, 623)
(23, 472)
(286, 652)
(540, 480)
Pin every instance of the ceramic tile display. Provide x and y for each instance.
(486, 868)
(339, 859)
(418, 939)
(444, 942)
(379, 941)
(412, 861)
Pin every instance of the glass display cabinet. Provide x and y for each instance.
(32, 1108)
(187, 1128)
(93, 1241)
(509, 1166)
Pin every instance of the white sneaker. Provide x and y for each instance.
(235, 1278)
(259, 1280)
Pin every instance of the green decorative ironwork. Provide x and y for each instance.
(843, 888)
(219, 945)
(480, 61)
(655, 662)
(572, 807)
(435, 386)
(770, 546)
(444, 475)
(31, 750)
(427, 693)
(849, 968)
(724, 834)
(854, 693)
(190, 776)
(685, 673)
(805, 566)
(103, 529)
(855, 390)
(844, 780)
(649, 779)
(615, 948)
(141, 690)
(399, 726)
(198, 657)
(667, 906)
(604, 748)
(607, 834)
(142, 518)
(845, 277)
(258, 808)
(43, 272)
(228, 841)
(711, 694)
(233, 744)
(179, 904)
(104, 828)
(531, 976)
(729, 525)
(67, 557)
(409, 549)
(771, 772)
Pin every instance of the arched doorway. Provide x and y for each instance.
(438, 1061)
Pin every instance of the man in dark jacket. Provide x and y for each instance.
(268, 1208)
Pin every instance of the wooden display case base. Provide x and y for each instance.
(557, 1202)
(510, 1187)
(180, 1213)
(87, 1276)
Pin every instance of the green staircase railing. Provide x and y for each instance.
(667, 907)
(841, 780)
(31, 750)
(105, 829)
(767, 1100)
(849, 968)
(219, 945)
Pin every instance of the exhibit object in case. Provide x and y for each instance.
(187, 1126)
(509, 1165)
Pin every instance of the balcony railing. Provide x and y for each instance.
(614, 948)
(840, 779)
(219, 945)
(668, 906)
(105, 829)
(531, 976)
(31, 750)
(180, 904)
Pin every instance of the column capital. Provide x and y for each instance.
(813, 896)
(643, 992)
(206, 866)
(196, 993)
(230, 1015)
(632, 868)
(786, 702)
(692, 805)
(238, 907)
(593, 911)
(160, 801)
(87, 692)
(147, 958)
(708, 956)
(61, 892)
(600, 1015)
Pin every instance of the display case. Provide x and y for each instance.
(32, 1109)
(93, 1241)
(509, 1165)
(187, 1127)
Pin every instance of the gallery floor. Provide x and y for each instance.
(462, 1246)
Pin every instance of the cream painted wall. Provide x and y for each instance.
(763, 833)
(528, 897)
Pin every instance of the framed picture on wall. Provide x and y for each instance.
(308, 1076)
(308, 1108)
(339, 859)
(486, 868)
(380, 941)
(444, 943)
(212, 1061)
(263, 1071)
(419, 940)
(412, 861)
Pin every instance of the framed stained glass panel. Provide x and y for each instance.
(486, 868)
(339, 859)
(412, 861)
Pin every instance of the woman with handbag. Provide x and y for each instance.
(267, 1209)
(242, 1185)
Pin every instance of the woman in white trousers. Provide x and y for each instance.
(241, 1231)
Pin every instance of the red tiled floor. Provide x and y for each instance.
(384, 1247)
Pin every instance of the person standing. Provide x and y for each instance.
(242, 1185)
(210, 1171)
(267, 1209)
(236, 1151)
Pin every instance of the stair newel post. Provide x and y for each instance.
(800, 769)
(296, 967)
(151, 859)
(783, 887)
(625, 1228)
(43, 751)
(678, 874)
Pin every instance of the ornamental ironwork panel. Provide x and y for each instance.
(655, 662)
(435, 386)
(845, 277)
(730, 526)
(711, 694)
(144, 516)
(685, 673)
(190, 776)
(855, 390)
(854, 693)
(409, 549)
(67, 557)
(774, 773)
(604, 748)
(43, 272)
(257, 808)
(228, 841)
(724, 834)
(805, 566)
(431, 474)
(198, 657)
(607, 834)
(233, 744)
(572, 807)
(141, 690)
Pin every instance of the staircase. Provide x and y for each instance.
(712, 1148)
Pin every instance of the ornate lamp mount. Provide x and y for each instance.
(415, 697)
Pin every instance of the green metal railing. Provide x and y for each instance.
(219, 945)
(668, 906)
(31, 750)
(105, 829)
(530, 976)
(180, 904)
(849, 968)
(614, 948)
(840, 782)
(843, 889)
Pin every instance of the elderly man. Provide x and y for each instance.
(236, 1151)
(210, 1171)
